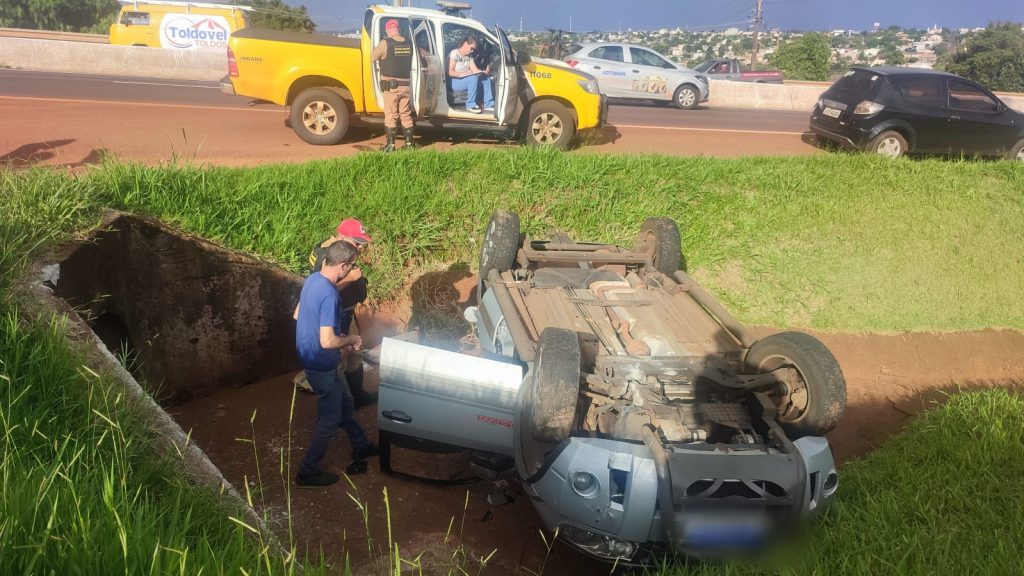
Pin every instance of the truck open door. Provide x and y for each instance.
(428, 83)
(507, 77)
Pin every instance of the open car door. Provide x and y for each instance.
(427, 81)
(507, 77)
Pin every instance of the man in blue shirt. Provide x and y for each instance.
(318, 342)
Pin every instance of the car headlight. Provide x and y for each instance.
(589, 86)
(585, 484)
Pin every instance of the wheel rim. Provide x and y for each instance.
(547, 128)
(687, 97)
(1020, 155)
(792, 401)
(890, 146)
(319, 117)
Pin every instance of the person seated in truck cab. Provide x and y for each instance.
(467, 76)
(721, 68)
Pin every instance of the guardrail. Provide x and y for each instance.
(52, 35)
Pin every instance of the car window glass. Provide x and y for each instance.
(135, 18)
(922, 90)
(486, 51)
(648, 58)
(855, 85)
(613, 53)
(963, 96)
(424, 35)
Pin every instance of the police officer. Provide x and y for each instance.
(394, 53)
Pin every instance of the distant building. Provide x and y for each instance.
(876, 26)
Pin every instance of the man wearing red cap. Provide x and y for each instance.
(394, 55)
(352, 291)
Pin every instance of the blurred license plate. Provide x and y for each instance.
(731, 531)
(832, 112)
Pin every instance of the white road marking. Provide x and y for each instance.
(277, 110)
(681, 128)
(165, 84)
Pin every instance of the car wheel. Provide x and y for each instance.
(549, 124)
(814, 403)
(1017, 152)
(555, 389)
(686, 97)
(890, 143)
(501, 242)
(319, 116)
(661, 235)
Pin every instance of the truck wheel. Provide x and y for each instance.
(549, 123)
(319, 116)
(555, 389)
(501, 242)
(889, 143)
(661, 234)
(686, 97)
(815, 405)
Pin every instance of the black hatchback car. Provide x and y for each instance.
(893, 111)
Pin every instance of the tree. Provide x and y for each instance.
(993, 57)
(805, 58)
(277, 15)
(941, 49)
(66, 15)
(892, 55)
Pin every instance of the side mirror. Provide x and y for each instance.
(523, 58)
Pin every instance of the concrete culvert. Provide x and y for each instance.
(189, 317)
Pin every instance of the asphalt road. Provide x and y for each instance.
(150, 119)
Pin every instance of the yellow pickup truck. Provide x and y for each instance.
(329, 81)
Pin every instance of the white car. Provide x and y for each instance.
(634, 72)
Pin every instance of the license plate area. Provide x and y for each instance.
(831, 112)
(724, 531)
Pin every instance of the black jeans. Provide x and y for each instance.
(334, 409)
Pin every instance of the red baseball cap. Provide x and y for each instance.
(391, 24)
(354, 229)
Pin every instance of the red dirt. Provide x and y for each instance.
(890, 379)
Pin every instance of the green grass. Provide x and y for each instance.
(836, 242)
(943, 497)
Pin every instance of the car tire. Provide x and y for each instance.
(814, 408)
(549, 123)
(500, 245)
(555, 389)
(1017, 152)
(686, 97)
(890, 143)
(319, 116)
(662, 235)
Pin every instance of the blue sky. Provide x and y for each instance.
(651, 14)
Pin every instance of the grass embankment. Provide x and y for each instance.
(835, 242)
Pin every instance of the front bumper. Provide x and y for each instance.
(226, 86)
(619, 520)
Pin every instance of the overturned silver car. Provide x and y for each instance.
(639, 415)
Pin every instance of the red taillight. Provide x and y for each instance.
(232, 65)
(572, 63)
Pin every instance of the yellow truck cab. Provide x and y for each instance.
(177, 25)
(327, 80)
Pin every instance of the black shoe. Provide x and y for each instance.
(389, 144)
(367, 399)
(319, 479)
(410, 139)
(368, 452)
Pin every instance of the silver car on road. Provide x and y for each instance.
(634, 72)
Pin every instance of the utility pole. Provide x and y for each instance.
(757, 31)
(570, 24)
(520, 24)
